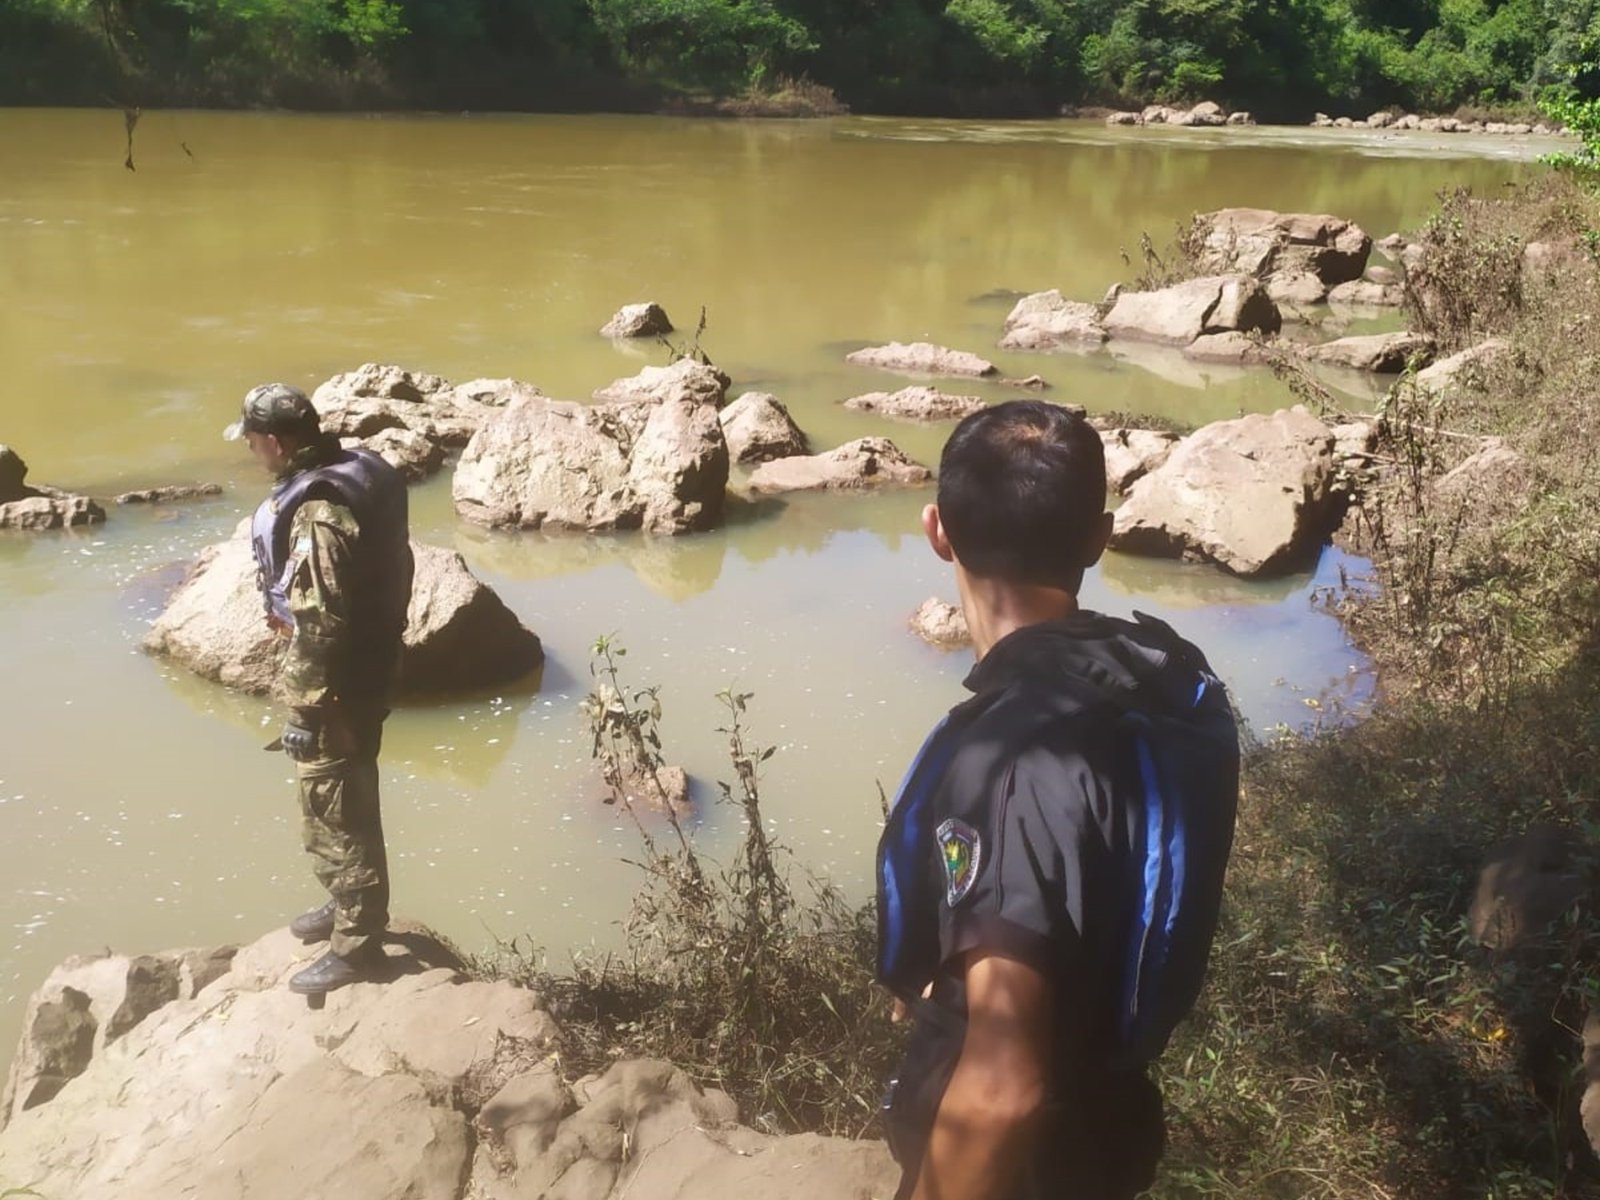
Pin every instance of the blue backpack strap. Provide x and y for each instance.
(1188, 793)
(908, 931)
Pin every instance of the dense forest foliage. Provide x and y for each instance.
(1280, 58)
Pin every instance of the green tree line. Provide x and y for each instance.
(1280, 58)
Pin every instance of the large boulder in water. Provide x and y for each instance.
(863, 463)
(758, 428)
(647, 319)
(1263, 243)
(1183, 312)
(661, 466)
(380, 396)
(1131, 454)
(1048, 320)
(1381, 353)
(1253, 495)
(459, 634)
(435, 1085)
(686, 379)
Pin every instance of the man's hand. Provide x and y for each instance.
(987, 1120)
(300, 738)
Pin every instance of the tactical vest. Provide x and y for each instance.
(376, 493)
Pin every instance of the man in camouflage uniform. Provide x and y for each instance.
(334, 566)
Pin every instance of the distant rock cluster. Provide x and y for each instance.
(1391, 120)
(1202, 115)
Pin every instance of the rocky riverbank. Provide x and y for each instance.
(198, 1073)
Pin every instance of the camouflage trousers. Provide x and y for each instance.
(342, 829)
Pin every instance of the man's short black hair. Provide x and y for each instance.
(1022, 488)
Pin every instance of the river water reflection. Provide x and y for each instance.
(136, 809)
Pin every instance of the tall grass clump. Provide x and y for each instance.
(749, 979)
(1362, 1035)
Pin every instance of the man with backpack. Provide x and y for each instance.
(1050, 876)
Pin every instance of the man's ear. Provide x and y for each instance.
(1095, 545)
(933, 530)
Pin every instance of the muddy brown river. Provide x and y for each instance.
(137, 810)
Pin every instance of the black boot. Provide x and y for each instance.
(316, 925)
(331, 971)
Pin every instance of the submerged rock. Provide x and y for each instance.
(638, 320)
(758, 428)
(917, 404)
(1253, 495)
(459, 634)
(941, 624)
(1363, 293)
(864, 463)
(171, 494)
(661, 466)
(922, 358)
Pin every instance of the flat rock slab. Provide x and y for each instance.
(923, 358)
(1179, 314)
(863, 463)
(1363, 293)
(659, 465)
(917, 404)
(1381, 353)
(171, 494)
(459, 634)
(234, 1091)
(1048, 320)
(648, 319)
(1253, 495)
(1463, 370)
(758, 428)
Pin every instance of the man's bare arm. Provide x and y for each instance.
(988, 1117)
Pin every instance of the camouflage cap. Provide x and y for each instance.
(274, 408)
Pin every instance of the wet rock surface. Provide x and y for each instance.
(171, 493)
(36, 509)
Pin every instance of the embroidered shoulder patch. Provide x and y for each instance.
(961, 850)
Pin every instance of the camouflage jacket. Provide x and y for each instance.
(329, 657)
